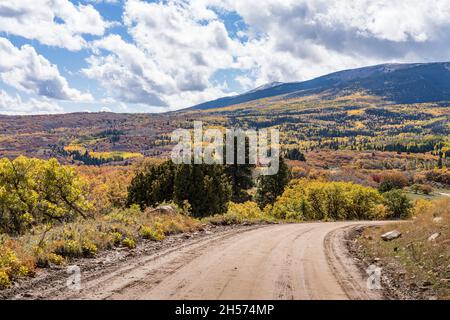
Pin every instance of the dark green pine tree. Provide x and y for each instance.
(217, 190)
(440, 162)
(295, 154)
(272, 186)
(152, 186)
(136, 190)
(240, 175)
(205, 187)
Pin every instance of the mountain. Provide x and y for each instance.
(265, 86)
(398, 83)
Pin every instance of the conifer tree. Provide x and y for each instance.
(240, 175)
(272, 186)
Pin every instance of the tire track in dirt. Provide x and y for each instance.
(284, 261)
(348, 275)
(148, 269)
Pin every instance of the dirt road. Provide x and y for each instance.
(290, 261)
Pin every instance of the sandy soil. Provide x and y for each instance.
(286, 261)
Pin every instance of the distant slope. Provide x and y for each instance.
(399, 83)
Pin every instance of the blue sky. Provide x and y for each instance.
(152, 56)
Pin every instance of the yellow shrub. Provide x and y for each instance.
(5, 282)
(245, 211)
(44, 257)
(55, 259)
(172, 227)
(9, 260)
(48, 245)
(441, 208)
(22, 272)
(68, 248)
(151, 233)
(116, 237)
(321, 200)
(89, 248)
(11, 265)
(421, 206)
(129, 243)
(239, 213)
(381, 212)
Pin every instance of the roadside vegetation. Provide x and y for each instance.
(417, 264)
(52, 213)
(48, 245)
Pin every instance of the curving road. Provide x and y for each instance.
(290, 261)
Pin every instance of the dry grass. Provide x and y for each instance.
(417, 262)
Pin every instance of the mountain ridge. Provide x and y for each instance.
(396, 82)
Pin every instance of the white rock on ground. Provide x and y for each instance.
(434, 236)
(437, 219)
(391, 235)
(163, 210)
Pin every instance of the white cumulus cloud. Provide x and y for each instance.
(14, 105)
(176, 53)
(300, 39)
(176, 49)
(57, 23)
(178, 46)
(24, 69)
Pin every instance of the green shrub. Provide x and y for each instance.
(398, 205)
(421, 188)
(392, 180)
(386, 186)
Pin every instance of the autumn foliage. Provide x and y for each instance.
(320, 200)
(34, 191)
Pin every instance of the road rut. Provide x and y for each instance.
(286, 261)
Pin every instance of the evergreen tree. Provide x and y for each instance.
(295, 154)
(152, 186)
(272, 186)
(240, 175)
(440, 163)
(205, 187)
